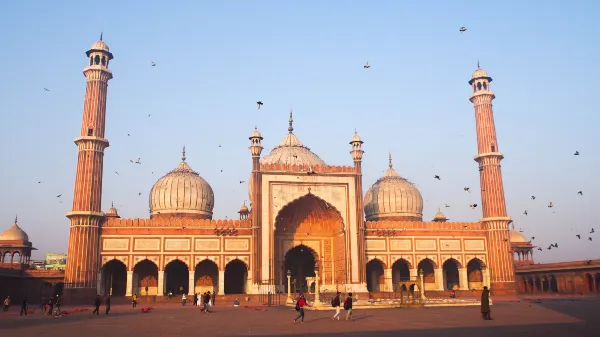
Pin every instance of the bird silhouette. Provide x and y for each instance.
(580, 192)
(242, 181)
(525, 212)
(39, 182)
(149, 115)
(533, 197)
(436, 177)
(578, 236)
(550, 204)
(117, 173)
(446, 205)
(592, 231)
(46, 89)
(259, 104)
(533, 238)
(590, 238)
(473, 206)
(576, 153)
(128, 135)
(140, 193)
(480, 168)
(58, 196)
(505, 240)
(367, 66)
(154, 64)
(220, 145)
(462, 29)
(540, 249)
(131, 160)
(467, 189)
(138, 161)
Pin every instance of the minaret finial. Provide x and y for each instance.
(390, 159)
(291, 127)
(478, 64)
(16, 219)
(112, 204)
(183, 154)
(101, 33)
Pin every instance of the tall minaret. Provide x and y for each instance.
(500, 259)
(256, 204)
(84, 240)
(357, 155)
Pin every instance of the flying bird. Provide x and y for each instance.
(220, 145)
(58, 196)
(138, 161)
(590, 238)
(505, 240)
(580, 192)
(367, 66)
(550, 204)
(467, 189)
(139, 193)
(39, 182)
(153, 64)
(473, 206)
(242, 181)
(46, 89)
(525, 212)
(592, 231)
(480, 168)
(437, 177)
(128, 135)
(447, 205)
(259, 104)
(117, 173)
(533, 197)
(533, 238)
(578, 236)
(540, 249)
(576, 153)
(149, 115)
(462, 29)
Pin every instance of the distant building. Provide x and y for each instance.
(56, 261)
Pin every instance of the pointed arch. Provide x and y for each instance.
(455, 261)
(300, 261)
(375, 275)
(176, 276)
(236, 277)
(145, 278)
(475, 269)
(114, 278)
(450, 274)
(206, 276)
(291, 216)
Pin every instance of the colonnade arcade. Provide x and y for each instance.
(145, 279)
(569, 283)
(451, 275)
(309, 234)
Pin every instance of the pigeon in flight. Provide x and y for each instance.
(473, 206)
(117, 173)
(259, 104)
(153, 64)
(467, 189)
(437, 177)
(592, 231)
(140, 193)
(550, 205)
(533, 238)
(525, 212)
(578, 236)
(46, 89)
(576, 153)
(242, 181)
(367, 66)
(590, 238)
(462, 29)
(138, 161)
(580, 192)
(480, 168)
(447, 205)
(540, 249)
(533, 197)
(58, 196)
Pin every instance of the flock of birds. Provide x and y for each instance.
(259, 104)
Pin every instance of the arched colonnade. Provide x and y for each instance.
(145, 278)
(584, 283)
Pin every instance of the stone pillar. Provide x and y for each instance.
(99, 283)
(249, 289)
(192, 284)
(317, 302)
(160, 291)
(289, 288)
(129, 286)
(463, 279)
(414, 273)
(389, 283)
(439, 279)
(221, 282)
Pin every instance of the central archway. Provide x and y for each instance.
(310, 221)
(300, 261)
(177, 276)
(114, 278)
(236, 275)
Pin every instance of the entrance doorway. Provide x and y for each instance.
(300, 261)
(114, 277)
(236, 275)
(177, 274)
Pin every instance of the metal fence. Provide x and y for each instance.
(268, 294)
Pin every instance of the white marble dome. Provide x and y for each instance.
(182, 192)
(292, 151)
(393, 197)
(516, 237)
(100, 45)
(14, 233)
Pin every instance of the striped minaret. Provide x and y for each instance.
(84, 240)
(493, 205)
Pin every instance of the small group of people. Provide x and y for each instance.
(49, 306)
(205, 300)
(336, 302)
(98, 302)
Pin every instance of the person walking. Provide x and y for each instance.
(183, 300)
(134, 300)
(485, 304)
(6, 304)
(107, 305)
(195, 299)
(205, 301)
(58, 302)
(24, 307)
(348, 306)
(336, 302)
(213, 298)
(300, 303)
(50, 306)
(96, 306)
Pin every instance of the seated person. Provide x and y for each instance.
(236, 303)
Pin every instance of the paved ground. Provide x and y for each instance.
(548, 317)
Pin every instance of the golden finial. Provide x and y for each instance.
(478, 64)
(390, 159)
(112, 204)
(183, 152)
(291, 127)
(101, 33)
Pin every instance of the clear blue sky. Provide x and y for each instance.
(215, 59)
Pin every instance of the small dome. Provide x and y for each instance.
(112, 212)
(14, 233)
(255, 133)
(243, 209)
(292, 151)
(182, 191)
(479, 73)
(516, 237)
(393, 198)
(100, 45)
(356, 138)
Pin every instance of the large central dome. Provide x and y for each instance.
(393, 198)
(292, 151)
(182, 193)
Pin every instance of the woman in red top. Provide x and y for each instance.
(300, 303)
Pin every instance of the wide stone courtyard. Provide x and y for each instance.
(550, 317)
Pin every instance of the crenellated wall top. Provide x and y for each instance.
(419, 225)
(177, 222)
(307, 168)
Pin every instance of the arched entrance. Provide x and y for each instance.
(538, 284)
(425, 268)
(145, 278)
(317, 222)
(475, 274)
(177, 277)
(589, 283)
(400, 272)
(451, 279)
(375, 276)
(553, 284)
(114, 277)
(236, 275)
(545, 284)
(206, 277)
(301, 262)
